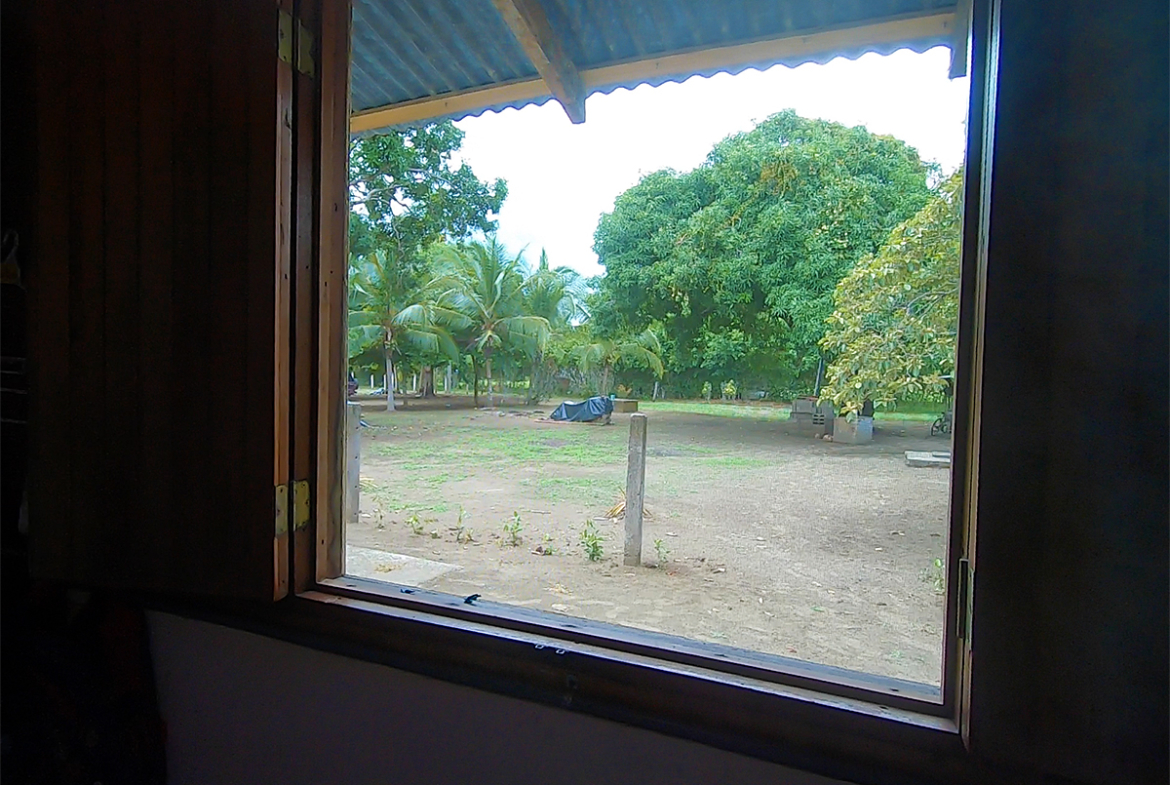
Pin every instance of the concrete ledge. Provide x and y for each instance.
(940, 458)
(625, 405)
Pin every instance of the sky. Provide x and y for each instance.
(562, 177)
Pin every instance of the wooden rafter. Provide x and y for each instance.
(529, 24)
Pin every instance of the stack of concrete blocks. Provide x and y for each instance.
(812, 417)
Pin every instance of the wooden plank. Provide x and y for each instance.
(269, 317)
(86, 409)
(119, 549)
(333, 67)
(50, 375)
(528, 22)
(157, 362)
(304, 308)
(790, 50)
(190, 311)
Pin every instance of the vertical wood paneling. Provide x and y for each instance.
(157, 365)
(121, 442)
(333, 68)
(86, 410)
(191, 166)
(50, 376)
(155, 296)
(228, 260)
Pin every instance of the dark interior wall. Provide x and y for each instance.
(153, 288)
(228, 696)
(1070, 616)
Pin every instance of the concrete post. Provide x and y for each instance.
(635, 489)
(353, 461)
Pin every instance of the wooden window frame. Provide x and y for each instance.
(844, 724)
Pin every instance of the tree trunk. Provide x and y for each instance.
(475, 382)
(488, 368)
(820, 376)
(390, 406)
(428, 382)
(605, 380)
(447, 381)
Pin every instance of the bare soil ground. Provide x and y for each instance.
(771, 540)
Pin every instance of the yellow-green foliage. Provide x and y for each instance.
(892, 331)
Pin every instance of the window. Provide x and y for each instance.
(435, 532)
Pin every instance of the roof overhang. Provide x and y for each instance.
(554, 75)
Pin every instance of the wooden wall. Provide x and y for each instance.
(162, 254)
(1070, 665)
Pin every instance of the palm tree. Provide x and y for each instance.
(559, 296)
(642, 351)
(485, 286)
(385, 307)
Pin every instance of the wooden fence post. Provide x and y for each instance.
(635, 489)
(353, 461)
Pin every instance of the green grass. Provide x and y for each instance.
(468, 446)
(913, 411)
(750, 411)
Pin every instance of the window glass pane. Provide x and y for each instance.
(765, 266)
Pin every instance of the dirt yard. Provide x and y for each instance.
(768, 539)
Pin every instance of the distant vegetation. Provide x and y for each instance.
(800, 252)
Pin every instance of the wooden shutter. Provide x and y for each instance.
(160, 300)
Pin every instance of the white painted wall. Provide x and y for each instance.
(229, 699)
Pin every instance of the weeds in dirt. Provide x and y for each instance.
(935, 576)
(591, 540)
(415, 523)
(661, 551)
(546, 548)
(513, 528)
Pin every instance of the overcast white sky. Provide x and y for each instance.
(562, 177)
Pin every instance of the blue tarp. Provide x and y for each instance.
(586, 411)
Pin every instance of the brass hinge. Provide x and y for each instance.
(284, 36)
(281, 510)
(963, 622)
(300, 504)
(294, 43)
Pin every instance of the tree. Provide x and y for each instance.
(407, 195)
(485, 288)
(748, 247)
(558, 295)
(385, 310)
(892, 329)
(630, 351)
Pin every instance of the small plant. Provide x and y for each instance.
(661, 550)
(935, 576)
(706, 391)
(513, 528)
(729, 390)
(546, 547)
(464, 535)
(415, 523)
(591, 541)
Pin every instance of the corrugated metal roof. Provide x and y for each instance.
(407, 50)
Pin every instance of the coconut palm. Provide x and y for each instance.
(638, 351)
(386, 308)
(557, 294)
(485, 286)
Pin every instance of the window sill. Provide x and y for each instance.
(832, 735)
